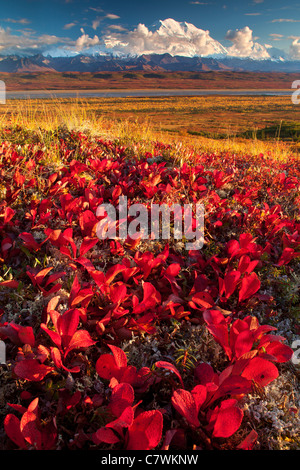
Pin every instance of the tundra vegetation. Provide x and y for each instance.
(142, 344)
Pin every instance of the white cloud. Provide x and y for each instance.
(285, 20)
(21, 21)
(295, 49)
(276, 37)
(97, 9)
(243, 44)
(69, 25)
(96, 23)
(169, 36)
(84, 41)
(29, 43)
(111, 16)
(117, 27)
(26, 43)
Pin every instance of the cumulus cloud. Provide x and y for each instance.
(96, 23)
(84, 41)
(243, 44)
(170, 37)
(26, 43)
(295, 49)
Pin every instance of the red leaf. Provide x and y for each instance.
(32, 370)
(118, 293)
(80, 339)
(54, 278)
(228, 420)
(18, 334)
(56, 338)
(106, 367)
(173, 270)
(282, 352)
(204, 373)
(183, 401)
(29, 240)
(122, 397)
(113, 272)
(167, 365)
(124, 421)
(40, 276)
(151, 298)
(230, 282)
(87, 221)
(105, 435)
(67, 325)
(87, 244)
(250, 285)
(233, 385)
(57, 359)
(8, 214)
(199, 394)
(12, 429)
(243, 343)
(74, 290)
(249, 442)
(26, 335)
(287, 255)
(145, 431)
(83, 297)
(28, 427)
(246, 265)
(119, 356)
(203, 299)
(261, 371)
(12, 284)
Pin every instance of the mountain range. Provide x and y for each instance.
(168, 46)
(149, 62)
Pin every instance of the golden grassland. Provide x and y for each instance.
(147, 79)
(203, 123)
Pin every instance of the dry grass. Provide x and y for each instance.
(172, 120)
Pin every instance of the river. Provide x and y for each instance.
(40, 94)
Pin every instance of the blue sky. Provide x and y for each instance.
(253, 27)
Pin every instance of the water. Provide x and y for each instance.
(139, 93)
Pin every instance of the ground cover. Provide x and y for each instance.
(107, 340)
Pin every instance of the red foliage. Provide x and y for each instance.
(97, 294)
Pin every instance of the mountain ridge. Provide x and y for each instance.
(150, 62)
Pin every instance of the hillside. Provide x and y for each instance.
(50, 80)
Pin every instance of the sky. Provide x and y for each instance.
(252, 28)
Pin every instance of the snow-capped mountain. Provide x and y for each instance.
(169, 45)
(147, 62)
(165, 37)
(192, 41)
